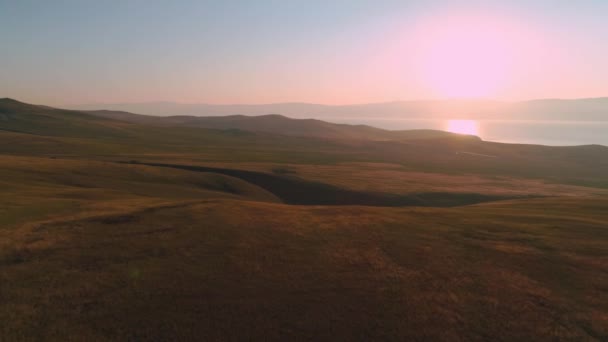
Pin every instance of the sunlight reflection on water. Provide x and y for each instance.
(470, 127)
(511, 131)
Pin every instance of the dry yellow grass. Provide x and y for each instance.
(225, 269)
(93, 250)
(399, 179)
(41, 188)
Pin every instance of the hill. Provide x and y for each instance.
(230, 270)
(25, 118)
(593, 109)
(36, 130)
(121, 227)
(278, 124)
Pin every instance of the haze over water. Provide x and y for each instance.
(555, 133)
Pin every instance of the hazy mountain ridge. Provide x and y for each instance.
(278, 124)
(27, 118)
(35, 130)
(591, 109)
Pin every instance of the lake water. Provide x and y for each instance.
(512, 131)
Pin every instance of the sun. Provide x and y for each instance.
(466, 57)
(469, 127)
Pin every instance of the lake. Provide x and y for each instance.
(510, 131)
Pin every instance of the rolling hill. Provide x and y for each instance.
(25, 118)
(592, 109)
(34, 130)
(120, 227)
(278, 124)
(231, 270)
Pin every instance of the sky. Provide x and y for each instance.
(320, 51)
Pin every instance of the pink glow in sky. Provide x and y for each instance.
(471, 55)
(333, 52)
(468, 57)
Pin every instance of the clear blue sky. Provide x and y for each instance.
(257, 51)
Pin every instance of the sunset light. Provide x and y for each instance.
(326, 170)
(468, 55)
(469, 127)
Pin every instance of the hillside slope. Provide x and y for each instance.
(37, 130)
(124, 230)
(25, 118)
(20, 117)
(278, 124)
(232, 270)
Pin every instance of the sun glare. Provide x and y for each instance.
(465, 57)
(469, 127)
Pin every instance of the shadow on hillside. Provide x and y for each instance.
(297, 191)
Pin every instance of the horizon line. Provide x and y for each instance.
(339, 105)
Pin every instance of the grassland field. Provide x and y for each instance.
(116, 231)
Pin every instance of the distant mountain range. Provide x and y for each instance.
(276, 124)
(27, 129)
(592, 109)
(16, 116)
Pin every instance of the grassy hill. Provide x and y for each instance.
(36, 130)
(24, 118)
(116, 228)
(224, 270)
(279, 124)
(41, 188)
